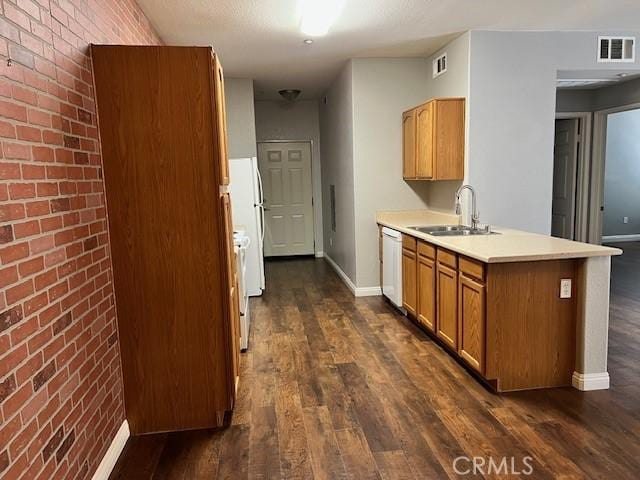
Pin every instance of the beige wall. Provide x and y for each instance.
(512, 110)
(382, 89)
(241, 124)
(453, 83)
(336, 145)
(279, 120)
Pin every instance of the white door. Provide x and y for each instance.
(565, 160)
(288, 198)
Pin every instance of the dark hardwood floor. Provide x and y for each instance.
(335, 387)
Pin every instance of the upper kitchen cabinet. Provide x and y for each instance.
(433, 140)
(161, 120)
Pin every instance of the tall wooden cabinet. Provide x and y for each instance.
(162, 126)
(433, 140)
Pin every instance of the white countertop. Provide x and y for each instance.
(509, 246)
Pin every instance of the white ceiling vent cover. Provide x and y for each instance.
(616, 49)
(440, 65)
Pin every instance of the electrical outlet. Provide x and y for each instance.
(625, 219)
(331, 241)
(565, 288)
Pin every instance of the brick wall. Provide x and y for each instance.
(60, 379)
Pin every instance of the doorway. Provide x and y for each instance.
(569, 215)
(285, 168)
(616, 171)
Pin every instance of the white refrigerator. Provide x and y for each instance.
(248, 215)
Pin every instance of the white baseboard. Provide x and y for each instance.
(620, 238)
(358, 292)
(590, 381)
(368, 292)
(113, 453)
(319, 254)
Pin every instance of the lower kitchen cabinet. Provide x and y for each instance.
(506, 321)
(409, 281)
(447, 305)
(471, 321)
(427, 291)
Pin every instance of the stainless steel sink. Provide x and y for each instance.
(453, 230)
(461, 233)
(441, 228)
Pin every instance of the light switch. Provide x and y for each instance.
(565, 288)
(625, 219)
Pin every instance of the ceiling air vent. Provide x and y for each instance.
(616, 49)
(440, 65)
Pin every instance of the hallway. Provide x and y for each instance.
(336, 387)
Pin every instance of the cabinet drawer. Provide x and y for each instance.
(426, 250)
(472, 268)
(409, 242)
(447, 258)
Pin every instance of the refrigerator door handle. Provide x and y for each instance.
(261, 203)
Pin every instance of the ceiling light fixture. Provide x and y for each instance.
(308, 41)
(289, 94)
(319, 15)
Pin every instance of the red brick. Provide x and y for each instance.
(16, 16)
(7, 130)
(47, 189)
(9, 171)
(12, 360)
(38, 117)
(8, 276)
(55, 257)
(18, 191)
(24, 95)
(42, 244)
(52, 138)
(12, 211)
(24, 330)
(42, 154)
(14, 252)
(29, 134)
(26, 229)
(16, 151)
(11, 110)
(29, 368)
(6, 234)
(17, 293)
(51, 223)
(36, 303)
(33, 172)
(37, 208)
(31, 266)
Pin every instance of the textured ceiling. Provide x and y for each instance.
(261, 39)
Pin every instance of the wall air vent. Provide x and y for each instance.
(440, 65)
(616, 49)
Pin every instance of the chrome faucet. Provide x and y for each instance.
(475, 216)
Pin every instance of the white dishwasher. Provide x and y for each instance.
(392, 265)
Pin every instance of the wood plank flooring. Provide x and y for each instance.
(340, 388)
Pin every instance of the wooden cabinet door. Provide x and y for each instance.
(427, 292)
(234, 301)
(424, 140)
(221, 120)
(409, 281)
(471, 322)
(447, 305)
(449, 134)
(409, 144)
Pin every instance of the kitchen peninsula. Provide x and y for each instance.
(522, 310)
